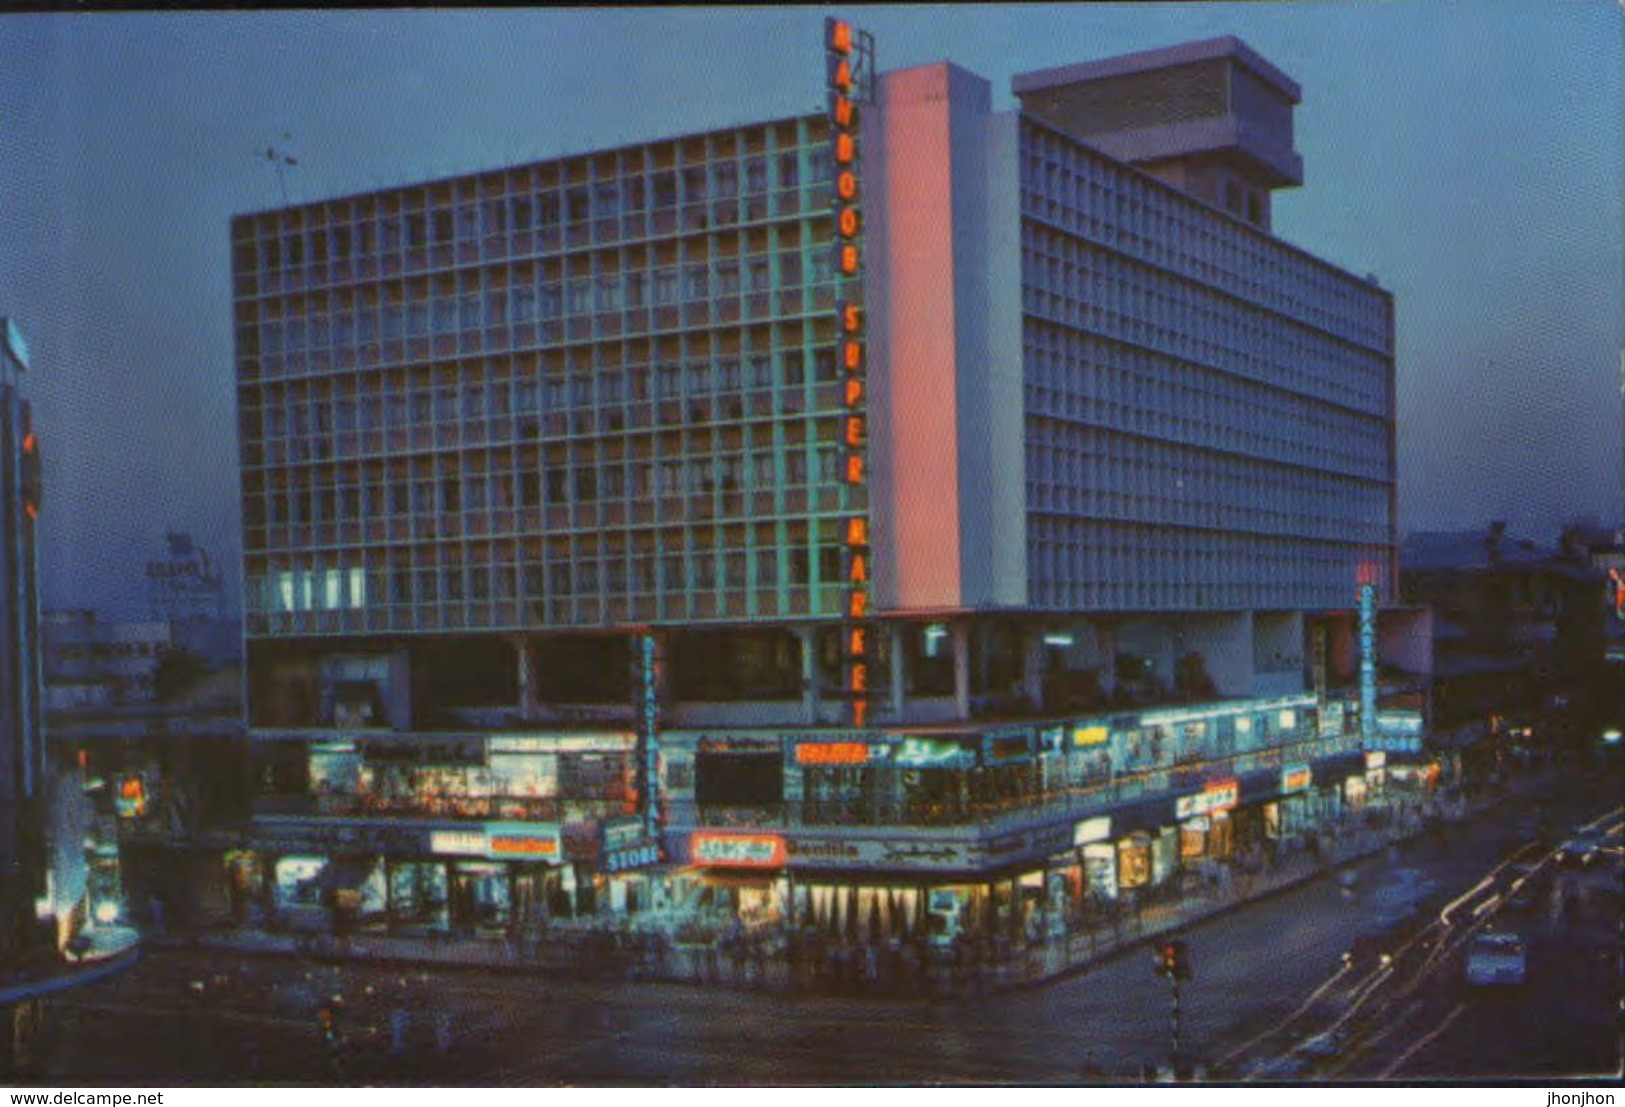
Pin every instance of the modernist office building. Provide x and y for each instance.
(916, 437)
(22, 746)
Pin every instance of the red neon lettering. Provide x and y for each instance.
(848, 222)
(842, 111)
(860, 712)
(852, 356)
(857, 531)
(851, 318)
(859, 573)
(849, 259)
(854, 469)
(854, 392)
(841, 76)
(840, 36)
(855, 642)
(845, 151)
(854, 430)
(860, 677)
(846, 185)
(857, 605)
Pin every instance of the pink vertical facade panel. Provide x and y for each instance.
(922, 497)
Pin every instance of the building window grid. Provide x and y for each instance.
(441, 587)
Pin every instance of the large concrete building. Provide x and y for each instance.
(879, 498)
(23, 780)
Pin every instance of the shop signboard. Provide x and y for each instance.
(883, 853)
(746, 851)
(1221, 795)
(1398, 731)
(1052, 740)
(1100, 869)
(1375, 759)
(1295, 778)
(1368, 654)
(1007, 745)
(832, 753)
(943, 753)
(500, 842)
(1097, 829)
(622, 832)
(637, 857)
(1331, 718)
(1085, 736)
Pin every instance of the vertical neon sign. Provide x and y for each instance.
(647, 662)
(1368, 654)
(849, 67)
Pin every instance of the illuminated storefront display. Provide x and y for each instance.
(1219, 796)
(501, 842)
(1295, 778)
(849, 57)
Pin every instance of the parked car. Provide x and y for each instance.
(1496, 959)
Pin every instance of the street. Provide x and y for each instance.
(1267, 975)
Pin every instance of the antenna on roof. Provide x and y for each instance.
(279, 159)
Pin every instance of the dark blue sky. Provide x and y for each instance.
(1469, 155)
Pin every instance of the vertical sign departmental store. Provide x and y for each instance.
(1368, 654)
(849, 72)
(647, 664)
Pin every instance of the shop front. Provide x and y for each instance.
(1205, 832)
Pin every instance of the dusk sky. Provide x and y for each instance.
(1468, 155)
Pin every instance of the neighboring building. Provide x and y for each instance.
(575, 509)
(1520, 631)
(90, 663)
(23, 774)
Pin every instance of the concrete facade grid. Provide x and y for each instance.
(576, 393)
(1209, 413)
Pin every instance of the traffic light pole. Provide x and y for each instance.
(1175, 1017)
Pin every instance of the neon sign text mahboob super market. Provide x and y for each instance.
(849, 67)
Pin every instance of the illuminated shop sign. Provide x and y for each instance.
(1616, 592)
(638, 857)
(650, 664)
(1398, 732)
(747, 851)
(1007, 745)
(559, 743)
(832, 753)
(1295, 778)
(622, 833)
(849, 65)
(32, 482)
(933, 752)
(500, 842)
(1052, 739)
(1097, 829)
(1375, 759)
(1083, 736)
(131, 799)
(1368, 652)
(1219, 796)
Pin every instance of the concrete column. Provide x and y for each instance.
(959, 631)
(529, 678)
(899, 667)
(400, 690)
(1106, 656)
(808, 637)
(1032, 666)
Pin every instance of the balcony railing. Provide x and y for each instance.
(1054, 800)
